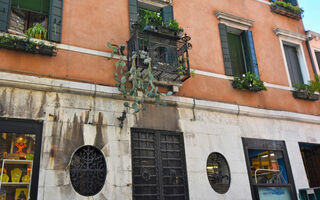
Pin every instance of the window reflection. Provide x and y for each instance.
(267, 167)
(218, 173)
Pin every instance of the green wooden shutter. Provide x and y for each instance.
(4, 14)
(250, 53)
(55, 20)
(133, 12)
(167, 14)
(225, 49)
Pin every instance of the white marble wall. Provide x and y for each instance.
(71, 121)
(219, 132)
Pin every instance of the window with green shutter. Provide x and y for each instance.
(238, 51)
(19, 15)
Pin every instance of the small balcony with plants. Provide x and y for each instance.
(160, 46)
(286, 8)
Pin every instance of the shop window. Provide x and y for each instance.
(269, 170)
(88, 170)
(20, 144)
(238, 51)
(158, 165)
(218, 173)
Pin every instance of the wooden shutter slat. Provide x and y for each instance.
(250, 53)
(293, 64)
(225, 49)
(55, 20)
(167, 14)
(4, 14)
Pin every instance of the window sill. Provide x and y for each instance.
(284, 12)
(302, 95)
(28, 45)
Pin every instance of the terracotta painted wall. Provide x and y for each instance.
(93, 25)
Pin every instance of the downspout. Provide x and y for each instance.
(309, 38)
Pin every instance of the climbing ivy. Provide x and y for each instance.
(135, 83)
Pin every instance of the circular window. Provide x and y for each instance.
(218, 173)
(88, 170)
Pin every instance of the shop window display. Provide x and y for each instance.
(269, 170)
(16, 154)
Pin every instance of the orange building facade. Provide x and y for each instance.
(64, 125)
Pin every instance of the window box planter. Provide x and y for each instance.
(163, 31)
(285, 12)
(27, 45)
(248, 82)
(305, 96)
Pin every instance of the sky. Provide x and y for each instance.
(311, 14)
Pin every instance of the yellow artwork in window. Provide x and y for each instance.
(21, 194)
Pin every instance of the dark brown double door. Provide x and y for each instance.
(311, 158)
(158, 165)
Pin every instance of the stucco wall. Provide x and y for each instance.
(91, 26)
(72, 120)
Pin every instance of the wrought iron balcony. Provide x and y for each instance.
(167, 53)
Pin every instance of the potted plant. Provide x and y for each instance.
(307, 91)
(152, 21)
(249, 82)
(37, 31)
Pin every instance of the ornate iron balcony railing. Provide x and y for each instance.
(167, 53)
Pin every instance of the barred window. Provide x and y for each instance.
(88, 170)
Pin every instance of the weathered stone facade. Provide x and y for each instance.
(71, 120)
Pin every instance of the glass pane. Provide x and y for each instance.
(237, 59)
(272, 193)
(218, 173)
(267, 167)
(16, 159)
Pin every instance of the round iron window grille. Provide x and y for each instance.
(88, 170)
(218, 173)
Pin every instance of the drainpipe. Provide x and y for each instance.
(309, 38)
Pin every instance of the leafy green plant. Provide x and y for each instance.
(289, 6)
(147, 17)
(174, 25)
(310, 88)
(37, 31)
(134, 83)
(248, 81)
(25, 44)
(154, 19)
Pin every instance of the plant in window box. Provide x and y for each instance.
(307, 91)
(286, 9)
(249, 82)
(152, 21)
(37, 31)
